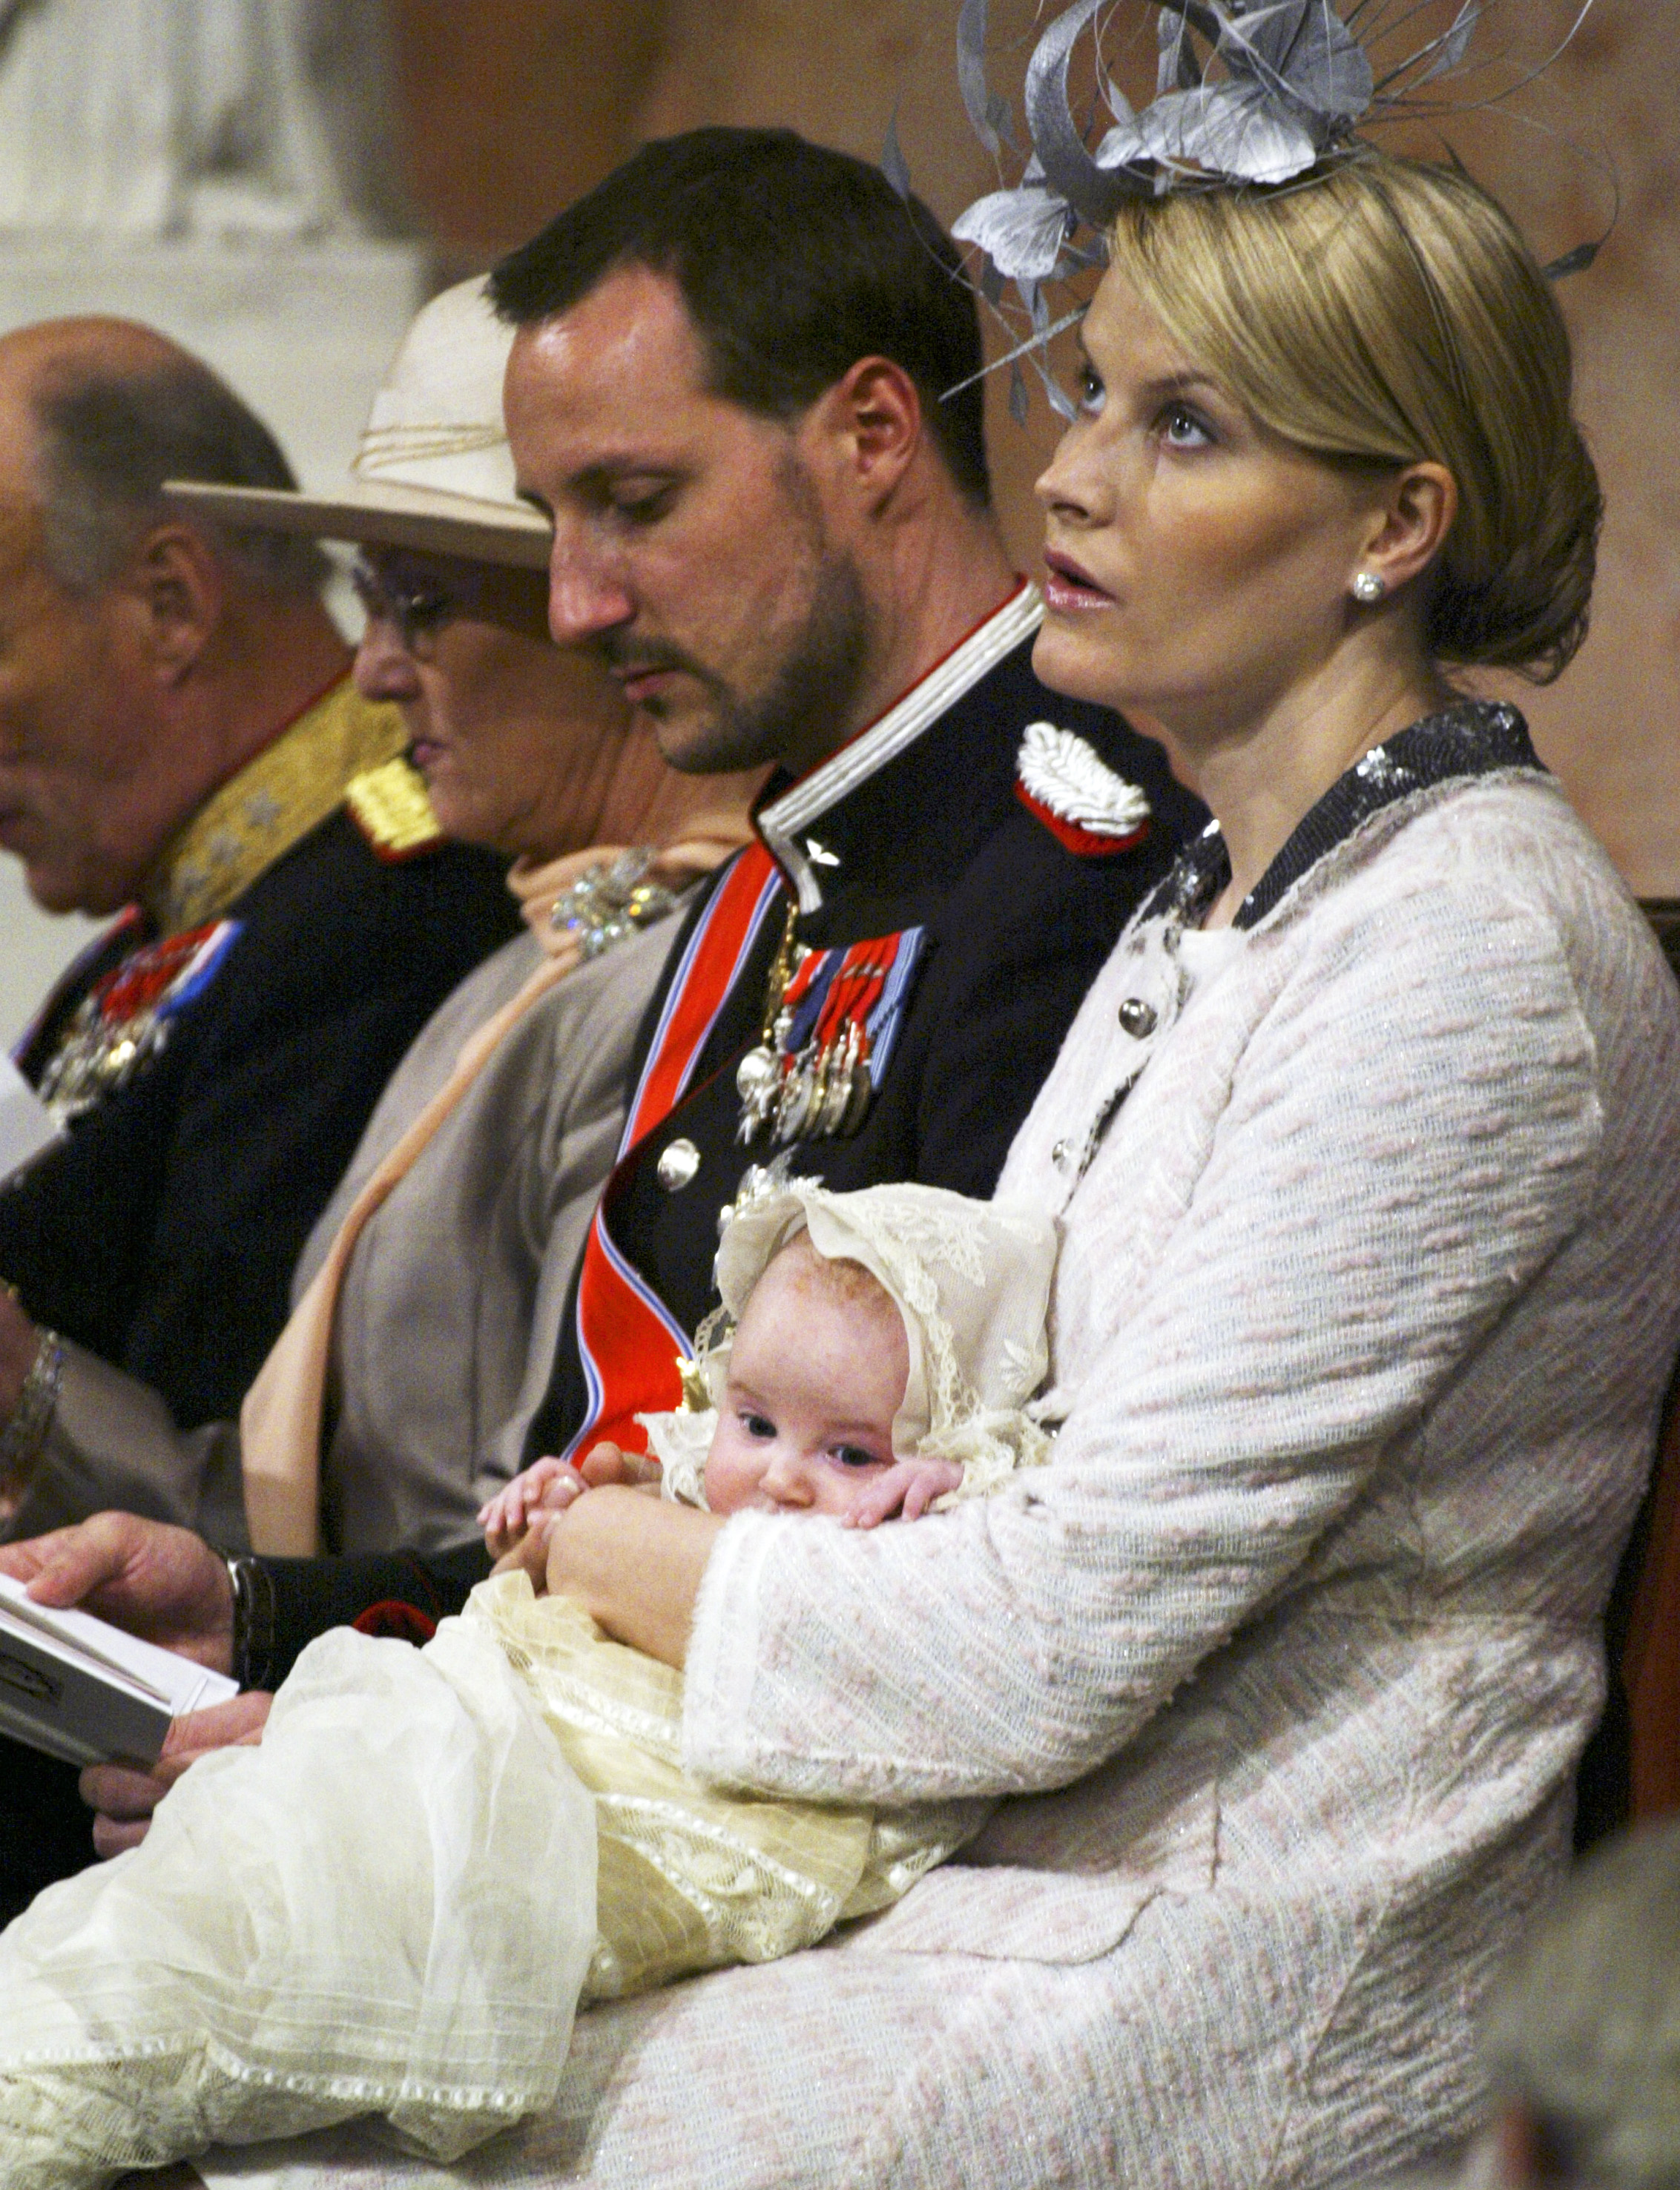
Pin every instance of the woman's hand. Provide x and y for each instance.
(633, 1564)
(608, 1463)
(530, 1555)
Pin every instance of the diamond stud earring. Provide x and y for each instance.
(1368, 587)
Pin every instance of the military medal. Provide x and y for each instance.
(758, 1075)
(831, 1023)
(125, 1018)
(840, 1097)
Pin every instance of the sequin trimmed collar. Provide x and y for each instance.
(1474, 737)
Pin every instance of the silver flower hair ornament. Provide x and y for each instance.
(1247, 91)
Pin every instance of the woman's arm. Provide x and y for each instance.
(634, 1563)
(1412, 1133)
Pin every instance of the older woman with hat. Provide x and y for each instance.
(428, 1297)
(398, 1396)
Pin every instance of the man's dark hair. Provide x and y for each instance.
(794, 262)
(109, 438)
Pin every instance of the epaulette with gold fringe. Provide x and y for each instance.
(389, 805)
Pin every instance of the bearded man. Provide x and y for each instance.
(743, 388)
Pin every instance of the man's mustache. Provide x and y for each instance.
(620, 652)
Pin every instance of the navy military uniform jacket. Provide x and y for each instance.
(161, 1233)
(934, 833)
(307, 948)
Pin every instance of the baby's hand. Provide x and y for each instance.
(908, 1489)
(547, 1486)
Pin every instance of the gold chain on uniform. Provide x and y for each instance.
(781, 972)
(758, 1075)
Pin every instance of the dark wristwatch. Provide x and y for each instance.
(253, 1648)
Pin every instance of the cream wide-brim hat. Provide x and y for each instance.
(433, 471)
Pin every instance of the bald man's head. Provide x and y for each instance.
(101, 412)
(143, 654)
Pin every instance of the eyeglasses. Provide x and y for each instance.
(418, 602)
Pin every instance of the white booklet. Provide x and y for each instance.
(27, 1126)
(83, 1690)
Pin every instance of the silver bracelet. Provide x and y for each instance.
(26, 1426)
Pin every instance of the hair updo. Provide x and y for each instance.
(1383, 312)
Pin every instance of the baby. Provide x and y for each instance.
(813, 1381)
(467, 1839)
(872, 1357)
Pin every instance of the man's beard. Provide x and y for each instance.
(799, 717)
(799, 714)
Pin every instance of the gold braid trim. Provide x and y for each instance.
(389, 805)
(275, 800)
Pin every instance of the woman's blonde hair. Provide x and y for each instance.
(1385, 312)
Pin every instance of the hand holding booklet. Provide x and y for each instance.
(83, 1690)
(71, 1684)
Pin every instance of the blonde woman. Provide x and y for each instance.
(1365, 1147)
(1363, 1151)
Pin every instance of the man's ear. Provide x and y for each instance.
(173, 593)
(870, 426)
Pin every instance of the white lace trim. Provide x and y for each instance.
(971, 1280)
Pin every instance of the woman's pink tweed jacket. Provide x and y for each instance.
(1366, 1302)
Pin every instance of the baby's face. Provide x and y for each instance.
(817, 1372)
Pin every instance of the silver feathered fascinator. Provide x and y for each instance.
(1246, 92)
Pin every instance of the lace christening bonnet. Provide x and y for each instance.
(971, 1280)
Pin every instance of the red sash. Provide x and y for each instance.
(627, 1342)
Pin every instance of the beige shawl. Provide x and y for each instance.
(281, 1421)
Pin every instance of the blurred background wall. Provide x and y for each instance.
(498, 112)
